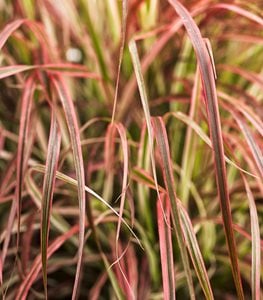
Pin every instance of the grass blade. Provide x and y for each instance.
(207, 75)
(26, 107)
(36, 266)
(144, 101)
(12, 70)
(123, 35)
(163, 147)
(238, 10)
(71, 181)
(8, 30)
(124, 145)
(195, 253)
(73, 128)
(256, 250)
(48, 190)
(254, 147)
(166, 248)
(66, 69)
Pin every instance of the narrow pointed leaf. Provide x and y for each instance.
(26, 107)
(163, 147)
(48, 190)
(73, 128)
(8, 30)
(12, 70)
(37, 264)
(208, 81)
(195, 253)
(256, 250)
(254, 147)
(166, 248)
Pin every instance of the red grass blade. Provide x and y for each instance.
(256, 251)
(1, 271)
(195, 253)
(26, 106)
(72, 123)
(254, 147)
(166, 248)
(238, 10)
(33, 26)
(123, 36)
(163, 147)
(8, 30)
(48, 190)
(207, 74)
(12, 70)
(66, 69)
(71, 181)
(37, 264)
(124, 145)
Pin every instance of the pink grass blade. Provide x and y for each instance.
(255, 237)
(73, 127)
(13, 70)
(1, 271)
(73, 70)
(199, 131)
(124, 145)
(37, 264)
(256, 247)
(8, 30)
(240, 11)
(26, 107)
(253, 146)
(34, 27)
(73, 182)
(123, 37)
(166, 248)
(144, 100)
(163, 147)
(195, 253)
(207, 75)
(246, 110)
(109, 161)
(48, 190)
(66, 69)
(127, 96)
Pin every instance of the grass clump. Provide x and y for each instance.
(131, 158)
